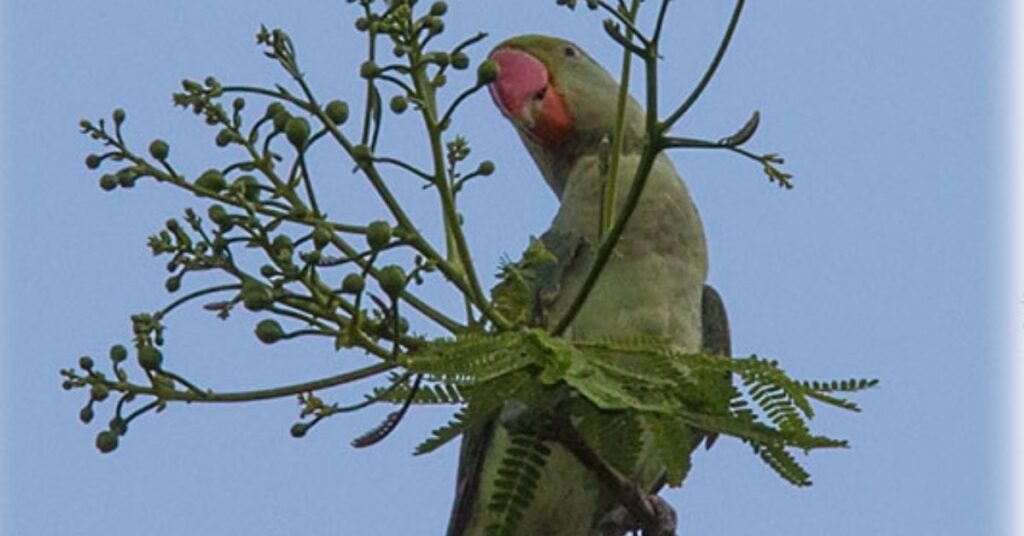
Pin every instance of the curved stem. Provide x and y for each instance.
(189, 297)
(262, 394)
(710, 72)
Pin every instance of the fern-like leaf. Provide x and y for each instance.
(672, 441)
(516, 483)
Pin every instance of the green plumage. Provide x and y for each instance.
(652, 287)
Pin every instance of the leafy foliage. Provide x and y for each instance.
(622, 382)
(517, 481)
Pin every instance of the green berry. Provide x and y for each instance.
(173, 283)
(106, 441)
(434, 25)
(108, 182)
(248, 186)
(297, 130)
(268, 271)
(361, 153)
(299, 429)
(460, 60)
(273, 109)
(118, 426)
(93, 161)
(99, 392)
(255, 296)
(281, 119)
(392, 279)
(362, 24)
(238, 104)
(125, 178)
(438, 9)
(85, 362)
(212, 180)
(322, 236)
(86, 414)
(119, 116)
(150, 358)
(281, 244)
(218, 214)
(118, 353)
(337, 111)
(486, 168)
(369, 69)
(399, 104)
(224, 137)
(487, 72)
(378, 234)
(440, 58)
(159, 149)
(353, 284)
(269, 331)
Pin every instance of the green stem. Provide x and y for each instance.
(710, 72)
(262, 394)
(189, 297)
(458, 250)
(649, 155)
(611, 191)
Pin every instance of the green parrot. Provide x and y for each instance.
(563, 105)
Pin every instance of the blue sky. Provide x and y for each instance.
(883, 262)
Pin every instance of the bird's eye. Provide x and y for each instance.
(570, 52)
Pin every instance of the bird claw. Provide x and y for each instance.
(618, 521)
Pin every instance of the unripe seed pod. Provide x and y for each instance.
(361, 153)
(486, 168)
(173, 283)
(150, 358)
(438, 9)
(298, 430)
(460, 60)
(353, 284)
(159, 149)
(249, 187)
(369, 69)
(487, 72)
(281, 119)
(106, 441)
(378, 234)
(119, 116)
(85, 362)
(93, 161)
(256, 297)
(392, 279)
(118, 353)
(297, 130)
(399, 104)
(269, 331)
(322, 236)
(108, 182)
(224, 137)
(99, 392)
(218, 214)
(86, 414)
(337, 111)
(212, 180)
(273, 109)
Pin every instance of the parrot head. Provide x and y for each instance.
(561, 101)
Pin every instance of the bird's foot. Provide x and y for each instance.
(619, 521)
